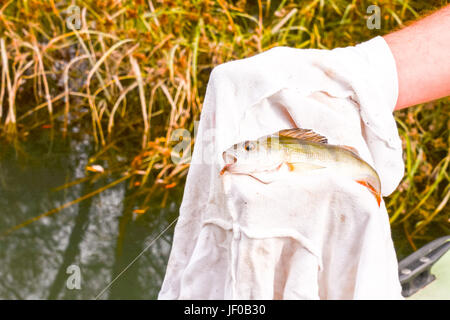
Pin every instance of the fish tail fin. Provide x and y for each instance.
(373, 191)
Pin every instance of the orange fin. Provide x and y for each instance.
(372, 190)
(303, 134)
(350, 149)
(225, 168)
(302, 166)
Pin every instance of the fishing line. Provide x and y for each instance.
(135, 259)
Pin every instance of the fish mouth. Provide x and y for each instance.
(229, 158)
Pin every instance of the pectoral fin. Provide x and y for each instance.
(372, 190)
(302, 166)
(262, 177)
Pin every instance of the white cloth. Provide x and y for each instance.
(314, 236)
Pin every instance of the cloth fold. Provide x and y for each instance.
(309, 236)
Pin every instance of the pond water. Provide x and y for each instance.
(100, 236)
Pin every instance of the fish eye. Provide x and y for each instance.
(249, 146)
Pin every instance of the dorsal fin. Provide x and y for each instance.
(350, 149)
(303, 134)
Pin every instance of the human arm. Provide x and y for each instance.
(422, 56)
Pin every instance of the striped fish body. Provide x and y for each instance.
(300, 150)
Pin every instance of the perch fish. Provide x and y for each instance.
(298, 150)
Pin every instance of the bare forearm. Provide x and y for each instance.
(422, 55)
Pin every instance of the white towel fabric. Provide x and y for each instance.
(309, 236)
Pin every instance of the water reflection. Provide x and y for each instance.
(101, 234)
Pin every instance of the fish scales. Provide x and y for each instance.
(300, 150)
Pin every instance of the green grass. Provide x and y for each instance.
(137, 70)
